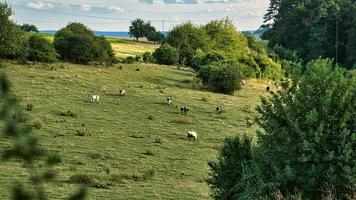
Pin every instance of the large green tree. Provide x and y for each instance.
(137, 29)
(312, 28)
(187, 38)
(13, 41)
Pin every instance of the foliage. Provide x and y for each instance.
(234, 157)
(166, 55)
(307, 142)
(147, 57)
(78, 44)
(13, 42)
(187, 38)
(310, 27)
(351, 46)
(137, 29)
(223, 37)
(29, 28)
(222, 77)
(156, 37)
(41, 50)
(25, 146)
(309, 132)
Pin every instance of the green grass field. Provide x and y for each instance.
(124, 47)
(123, 146)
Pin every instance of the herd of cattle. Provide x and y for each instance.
(184, 110)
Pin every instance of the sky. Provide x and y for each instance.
(116, 15)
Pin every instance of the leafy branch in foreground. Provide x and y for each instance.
(26, 148)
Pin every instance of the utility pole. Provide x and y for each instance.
(162, 26)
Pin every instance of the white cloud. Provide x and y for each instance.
(36, 5)
(85, 7)
(115, 8)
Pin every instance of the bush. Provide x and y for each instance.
(37, 125)
(307, 142)
(222, 77)
(68, 113)
(78, 44)
(233, 158)
(129, 60)
(166, 55)
(150, 117)
(41, 50)
(29, 107)
(147, 57)
(149, 174)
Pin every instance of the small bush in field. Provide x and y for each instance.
(82, 131)
(150, 117)
(149, 174)
(37, 125)
(29, 107)
(166, 55)
(82, 179)
(147, 57)
(129, 60)
(68, 113)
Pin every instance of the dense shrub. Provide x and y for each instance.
(147, 57)
(202, 59)
(234, 158)
(78, 44)
(41, 50)
(166, 55)
(223, 76)
(307, 142)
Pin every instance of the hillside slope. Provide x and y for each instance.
(122, 143)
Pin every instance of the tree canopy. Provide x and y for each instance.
(312, 28)
(29, 28)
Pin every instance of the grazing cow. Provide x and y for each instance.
(249, 122)
(94, 99)
(268, 89)
(192, 135)
(243, 82)
(218, 110)
(170, 100)
(122, 93)
(184, 110)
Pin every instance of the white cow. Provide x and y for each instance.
(192, 135)
(170, 100)
(122, 93)
(94, 99)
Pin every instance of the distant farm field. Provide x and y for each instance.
(132, 147)
(124, 47)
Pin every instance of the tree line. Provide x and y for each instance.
(314, 29)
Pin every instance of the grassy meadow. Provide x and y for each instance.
(124, 47)
(131, 147)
